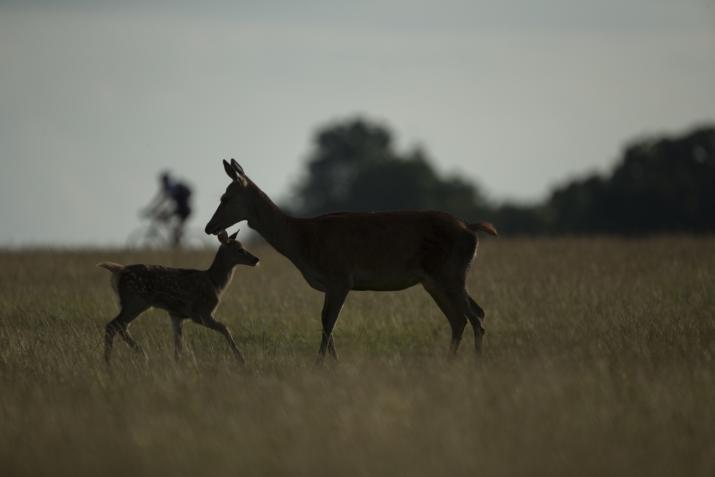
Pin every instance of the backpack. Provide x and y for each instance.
(181, 192)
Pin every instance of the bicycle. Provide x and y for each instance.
(158, 233)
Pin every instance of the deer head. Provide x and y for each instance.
(235, 202)
(232, 250)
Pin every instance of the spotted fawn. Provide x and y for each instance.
(184, 294)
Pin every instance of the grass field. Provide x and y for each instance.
(598, 360)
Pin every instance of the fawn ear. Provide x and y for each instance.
(233, 235)
(222, 237)
(230, 170)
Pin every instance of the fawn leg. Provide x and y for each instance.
(209, 322)
(130, 310)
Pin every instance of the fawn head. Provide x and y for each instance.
(233, 252)
(235, 202)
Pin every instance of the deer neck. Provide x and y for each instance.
(273, 224)
(221, 271)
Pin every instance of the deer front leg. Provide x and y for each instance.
(334, 300)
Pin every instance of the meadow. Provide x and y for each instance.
(598, 360)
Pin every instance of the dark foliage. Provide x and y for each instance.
(355, 167)
(659, 185)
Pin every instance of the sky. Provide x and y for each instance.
(97, 97)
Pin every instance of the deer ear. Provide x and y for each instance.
(237, 166)
(239, 170)
(233, 235)
(230, 170)
(222, 236)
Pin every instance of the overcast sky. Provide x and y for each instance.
(96, 98)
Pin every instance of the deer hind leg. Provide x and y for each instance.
(130, 310)
(475, 313)
(178, 336)
(332, 305)
(209, 322)
(449, 303)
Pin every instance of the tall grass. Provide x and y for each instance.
(598, 360)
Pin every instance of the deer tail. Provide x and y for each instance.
(111, 266)
(483, 227)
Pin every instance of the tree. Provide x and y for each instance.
(664, 184)
(354, 167)
(659, 185)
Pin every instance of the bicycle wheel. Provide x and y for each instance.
(148, 237)
(195, 239)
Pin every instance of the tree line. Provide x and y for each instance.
(660, 184)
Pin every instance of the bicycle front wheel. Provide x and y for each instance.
(148, 237)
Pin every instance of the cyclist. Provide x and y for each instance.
(171, 205)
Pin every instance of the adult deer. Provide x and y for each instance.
(383, 251)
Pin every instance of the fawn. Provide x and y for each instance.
(185, 294)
